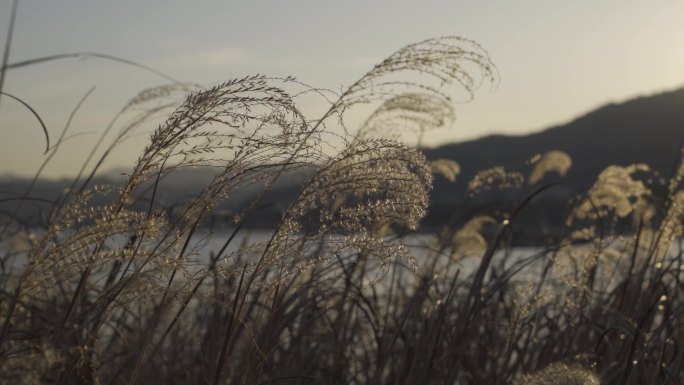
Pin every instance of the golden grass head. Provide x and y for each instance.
(553, 161)
(560, 374)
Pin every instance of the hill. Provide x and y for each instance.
(647, 130)
(642, 130)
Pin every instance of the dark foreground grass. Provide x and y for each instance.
(339, 294)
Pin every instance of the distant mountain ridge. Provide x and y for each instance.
(647, 129)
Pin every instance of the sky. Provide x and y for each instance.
(556, 60)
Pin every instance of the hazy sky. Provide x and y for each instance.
(556, 60)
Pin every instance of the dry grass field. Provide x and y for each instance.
(109, 294)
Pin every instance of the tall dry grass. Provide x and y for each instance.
(110, 293)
